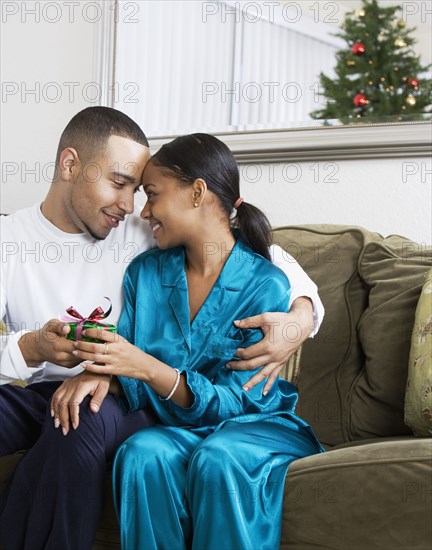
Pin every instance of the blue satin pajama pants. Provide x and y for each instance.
(174, 489)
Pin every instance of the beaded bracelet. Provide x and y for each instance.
(176, 383)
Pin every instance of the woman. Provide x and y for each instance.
(211, 473)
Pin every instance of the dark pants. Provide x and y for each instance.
(55, 497)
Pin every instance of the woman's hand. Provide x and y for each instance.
(66, 401)
(116, 356)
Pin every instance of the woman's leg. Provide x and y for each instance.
(235, 484)
(149, 479)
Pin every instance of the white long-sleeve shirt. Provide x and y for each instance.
(45, 270)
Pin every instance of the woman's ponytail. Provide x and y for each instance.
(253, 227)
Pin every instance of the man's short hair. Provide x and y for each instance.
(89, 130)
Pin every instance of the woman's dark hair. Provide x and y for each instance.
(202, 156)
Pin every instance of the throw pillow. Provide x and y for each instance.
(418, 397)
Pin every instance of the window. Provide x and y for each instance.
(219, 66)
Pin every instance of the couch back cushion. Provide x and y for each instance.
(395, 271)
(333, 360)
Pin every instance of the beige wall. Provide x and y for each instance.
(55, 60)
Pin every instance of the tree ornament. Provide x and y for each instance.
(411, 100)
(412, 82)
(358, 48)
(401, 23)
(350, 63)
(360, 13)
(400, 43)
(360, 100)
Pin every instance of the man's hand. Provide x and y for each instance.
(48, 344)
(283, 335)
(66, 400)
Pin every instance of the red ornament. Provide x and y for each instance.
(358, 48)
(413, 82)
(360, 100)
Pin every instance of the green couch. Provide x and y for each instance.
(372, 489)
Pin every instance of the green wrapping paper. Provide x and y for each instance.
(72, 335)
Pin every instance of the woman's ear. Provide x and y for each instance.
(68, 162)
(199, 190)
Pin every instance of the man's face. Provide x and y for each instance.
(103, 192)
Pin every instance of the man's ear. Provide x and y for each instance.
(199, 190)
(68, 164)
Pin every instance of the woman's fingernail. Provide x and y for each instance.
(64, 430)
(74, 425)
(75, 352)
(246, 388)
(265, 392)
(228, 366)
(56, 422)
(94, 407)
(52, 413)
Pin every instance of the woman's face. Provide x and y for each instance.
(168, 209)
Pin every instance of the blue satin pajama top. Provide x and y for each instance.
(156, 318)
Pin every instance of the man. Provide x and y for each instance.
(73, 250)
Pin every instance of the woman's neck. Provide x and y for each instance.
(207, 256)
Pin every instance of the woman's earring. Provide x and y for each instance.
(196, 204)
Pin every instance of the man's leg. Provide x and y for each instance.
(56, 495)
(22, 413)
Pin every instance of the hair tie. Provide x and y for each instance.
(238, 202)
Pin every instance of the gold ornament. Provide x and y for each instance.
(370, 82)
(400, 43)
(411, 100)
(350, 63)
(396, 69)
(382, 78)
(404, 107)
(370, 62)
(360, 12)
(401, 23)
(387, 89)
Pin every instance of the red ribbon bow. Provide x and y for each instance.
(95, 316)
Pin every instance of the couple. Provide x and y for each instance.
(209, 467)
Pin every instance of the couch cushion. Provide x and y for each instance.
(418, 396)
(370, 495)
(332, 360)
(395, 270)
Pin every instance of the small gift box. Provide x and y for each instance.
(78, 323)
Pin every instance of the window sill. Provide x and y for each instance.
(372, 141)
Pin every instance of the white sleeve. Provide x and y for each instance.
(301, 283)
(12, 364)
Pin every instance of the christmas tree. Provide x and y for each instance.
(378, 74)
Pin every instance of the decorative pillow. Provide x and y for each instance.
(418, 397)
(330, 362)
(395, 271)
